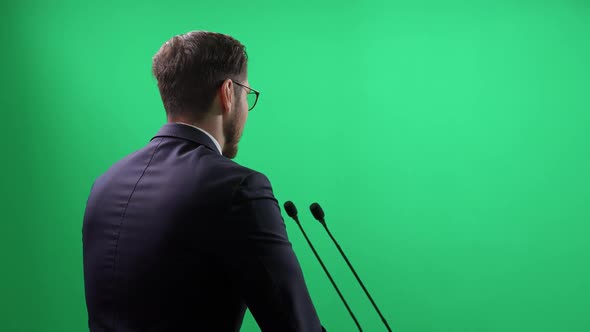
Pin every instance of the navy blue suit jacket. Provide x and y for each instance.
(177, 237)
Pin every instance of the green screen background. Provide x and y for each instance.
(448, 143)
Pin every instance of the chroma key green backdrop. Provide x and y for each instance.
(448, 142)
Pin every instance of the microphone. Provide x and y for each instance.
(292, 212)
(318, 214)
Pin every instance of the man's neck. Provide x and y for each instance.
(209, 127)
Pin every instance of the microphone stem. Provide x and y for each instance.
(357, 277)
(329, 276)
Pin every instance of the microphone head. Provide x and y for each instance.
(290, 209)
(317, 212)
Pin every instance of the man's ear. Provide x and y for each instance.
(226, 96)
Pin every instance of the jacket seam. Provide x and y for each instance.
(123, 217)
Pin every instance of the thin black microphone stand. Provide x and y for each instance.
(318, 214)
(328, 274)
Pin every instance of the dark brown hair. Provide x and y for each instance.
(190, 67)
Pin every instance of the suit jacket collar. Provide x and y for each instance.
(186, 132)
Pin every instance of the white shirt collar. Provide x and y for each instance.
(204, 131)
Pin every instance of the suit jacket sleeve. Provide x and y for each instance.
(262, 264)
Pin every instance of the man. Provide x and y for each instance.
(178, 237)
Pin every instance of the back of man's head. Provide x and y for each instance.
(190, 67)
